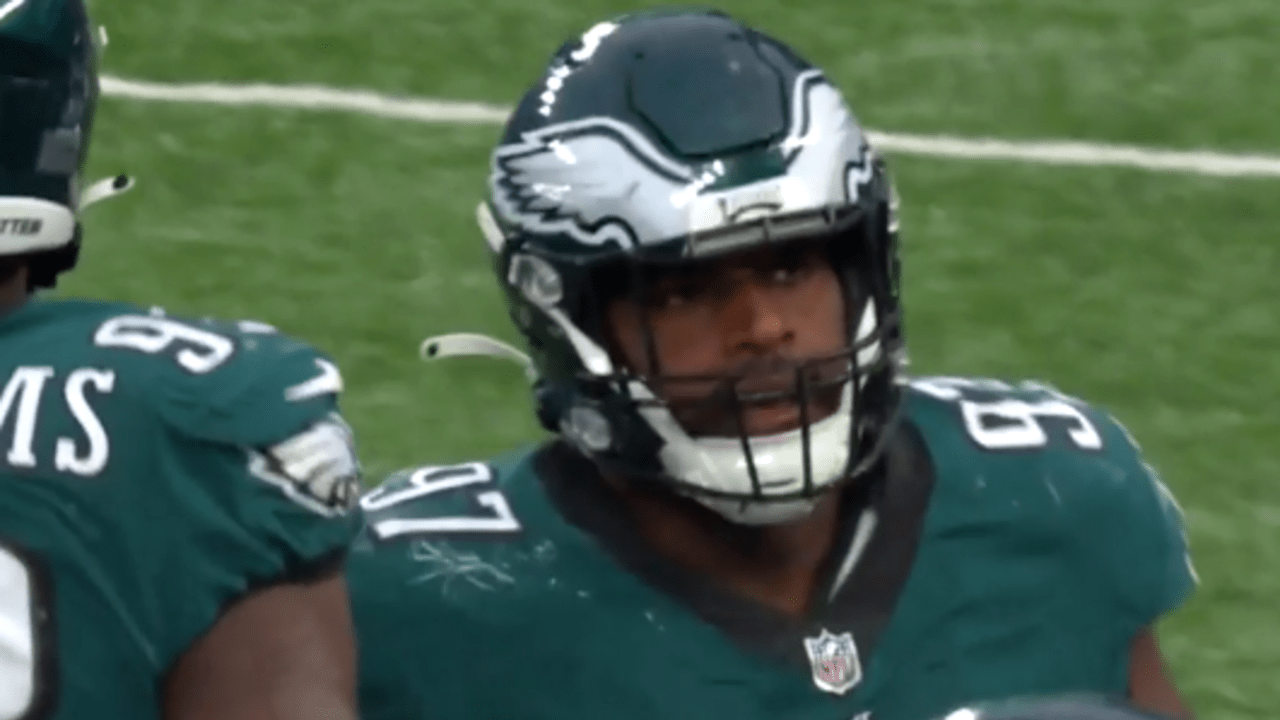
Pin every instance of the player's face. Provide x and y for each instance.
(745, 321)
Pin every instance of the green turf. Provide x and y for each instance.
(1149, 294)
(1174, 72)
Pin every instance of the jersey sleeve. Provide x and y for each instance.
(256, 449)
(1140, 532)
(269, 388)
(1116, 526)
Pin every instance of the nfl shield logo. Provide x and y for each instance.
(834, 659)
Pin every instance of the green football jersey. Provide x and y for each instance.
(152, 471)
(1016, 545)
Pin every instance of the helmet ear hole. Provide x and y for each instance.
(549, 406)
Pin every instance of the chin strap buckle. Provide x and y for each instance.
(105, 189)
(440, 347)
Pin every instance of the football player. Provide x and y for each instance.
(174, 495)
(747, 509)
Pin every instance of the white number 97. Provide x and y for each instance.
(1009, 423)
(1017, 424)
(198, 351)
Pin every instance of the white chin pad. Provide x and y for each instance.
(747, 512)
(720, 465)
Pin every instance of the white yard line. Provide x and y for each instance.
(430, 110)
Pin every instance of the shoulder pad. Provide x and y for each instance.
(1060, 453)
(239, 383)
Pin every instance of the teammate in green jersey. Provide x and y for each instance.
(174, 496)
(749, 511)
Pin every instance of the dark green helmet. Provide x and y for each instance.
(669, 138)
(48, 95)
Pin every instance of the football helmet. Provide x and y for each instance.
(666, 138)
(48, 96)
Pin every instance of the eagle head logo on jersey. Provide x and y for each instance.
(834, 660)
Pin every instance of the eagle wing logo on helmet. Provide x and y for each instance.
(579, 178)
(587, 178)
(822, 128)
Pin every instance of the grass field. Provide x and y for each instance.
(1151, 294)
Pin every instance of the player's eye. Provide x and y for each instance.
(793, 264)
(681, 288)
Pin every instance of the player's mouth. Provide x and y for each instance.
(780, 417)
(767, 409)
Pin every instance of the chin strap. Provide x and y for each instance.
(440, 347)
(105, 189)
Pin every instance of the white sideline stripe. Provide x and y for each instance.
(308, 97)
(427, 110)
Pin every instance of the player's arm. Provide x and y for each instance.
(1152, 571)
(1150, 684)
(283, 653)
(1166, 563)
(267, 475)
